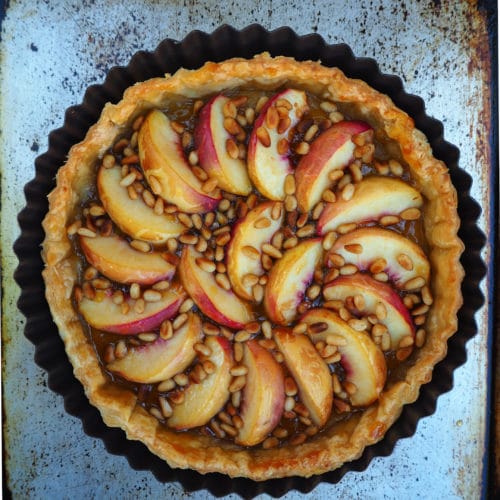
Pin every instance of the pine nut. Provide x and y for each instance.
(414, 283)
(223, 281)
(258, 293)
(306, 231)
(268, 249)
(289, 184)
(262, 223)
(347, 192)
(290, 203)
(83, 231)
(354, 248)
(237, 383)
(328, 196)
(410, 214)
(378, 266)
(166, 330)
(128, 179)
(232, 149)
(346, 227)
(152, 296)
(420, 337)
(263, 136)
(238, 370)
(141, 246)
(179, 321)
(276, 211)
(426, 295)
(299, 329)
(388, 220)
(209, 185)
(203, 349)
(205, 264)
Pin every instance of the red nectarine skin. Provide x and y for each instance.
(204, 140)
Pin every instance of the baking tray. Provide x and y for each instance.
(192, 52)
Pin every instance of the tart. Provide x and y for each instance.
(253, 266)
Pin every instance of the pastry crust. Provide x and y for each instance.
(344, 441)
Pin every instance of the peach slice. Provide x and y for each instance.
(223, 306)
(250, 231)
(118, 261)
(210, 138)
(263, 395)
(103, 314)
(267, 165)
(288, 279)
(310, 372)
(202, 401)
(134, 217)
(374, 197)
(397, 319)
(332, 150)
(163, 158)
(404, 259)
(363, 362)
(161, 359)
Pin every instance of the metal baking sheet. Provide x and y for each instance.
(52, 53)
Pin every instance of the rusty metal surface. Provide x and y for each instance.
(52, 51)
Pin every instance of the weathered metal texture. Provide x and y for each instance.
(52, 51)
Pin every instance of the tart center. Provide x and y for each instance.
(252, 265)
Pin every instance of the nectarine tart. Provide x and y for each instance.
(253, 266)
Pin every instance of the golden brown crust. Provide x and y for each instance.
(333, 447)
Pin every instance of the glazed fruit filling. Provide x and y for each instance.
(252, 265)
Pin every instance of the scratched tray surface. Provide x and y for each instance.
(192, 52)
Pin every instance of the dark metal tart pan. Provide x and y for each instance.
(170, 55)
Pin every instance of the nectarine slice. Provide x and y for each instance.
(210, 139)
(223, 306)
(363, 362)
(404, 259)
(103, 314)
(162, 156)
(332, 150)
(118, 261)
(310, 372)
(249, 232)
(204, 400)
(375, 294)
(263, 395)
(133, 216)
(289, 278)
(374, 197)
(267, 165)
(161, 359)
